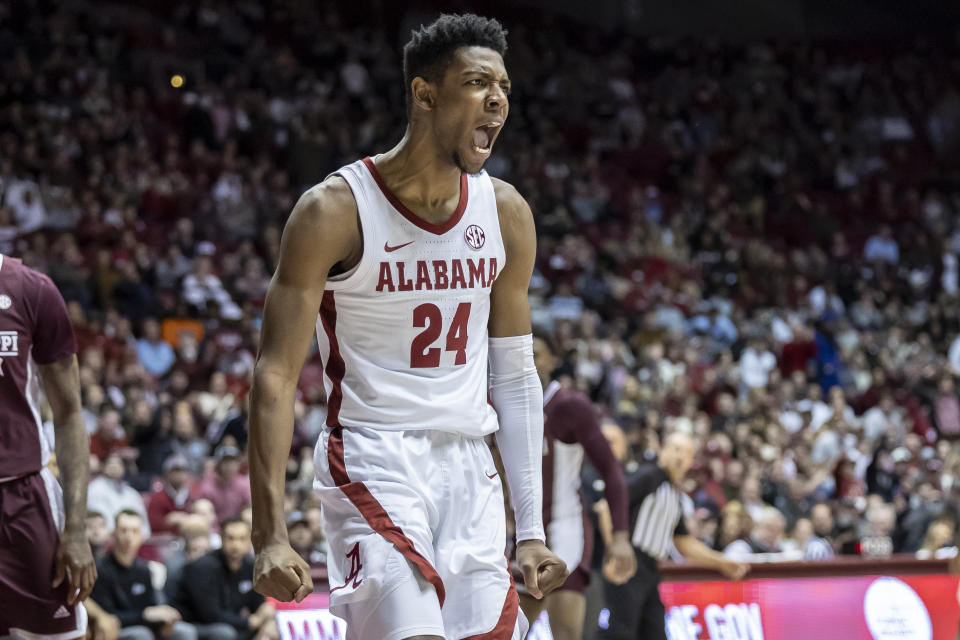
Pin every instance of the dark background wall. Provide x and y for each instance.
(741, 19)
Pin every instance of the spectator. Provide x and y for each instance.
(819, 545)
(171, 503)
(881, 247)
(204, 291)
(877, 536)
(947, 409)
(802, 533)
(214, 403)
(109, 494)
(939, 537)
(252, 285)
(124, 588)
(216, 593)
(8, 231)
(226, 487)
(751, 500)
(767, 537)
(884, 419)
(302, 541)
(208, 515)
(194, 543)
(186, 440)
(756, 363)
(156, 356)
(23, 197)
(98, 534)
(109, 436)
(735, 525)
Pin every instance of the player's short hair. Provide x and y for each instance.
(429, 51)
(94, 514)
(126, 512)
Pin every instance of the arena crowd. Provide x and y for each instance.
(755, 244)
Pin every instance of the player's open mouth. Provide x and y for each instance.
(483, 137)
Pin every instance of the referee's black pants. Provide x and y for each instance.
(636, 611)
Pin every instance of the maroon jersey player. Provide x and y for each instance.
(571, 432)
(46, 567)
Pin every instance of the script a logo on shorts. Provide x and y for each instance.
(475, 237)
(355, 567)
(8, 346)
(5, 301)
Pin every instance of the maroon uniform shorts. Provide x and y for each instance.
(31, 514)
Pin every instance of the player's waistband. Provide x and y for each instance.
(10, 479)
(394, 428)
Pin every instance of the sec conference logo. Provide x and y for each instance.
(475, 237)
(5, 301)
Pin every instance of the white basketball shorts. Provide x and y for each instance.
(416, 529)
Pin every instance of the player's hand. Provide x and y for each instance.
(280, 573)
(543, 570)
(734, 570)
(621, 561)
(74, 562)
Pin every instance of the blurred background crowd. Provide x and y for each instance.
(756, 244)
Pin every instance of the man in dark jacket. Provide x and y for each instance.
(125, 591)
(216, 591)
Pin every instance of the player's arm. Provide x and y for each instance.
(621, 561)
(321, 231)
(516, 391)
(54, 350)
(699, 553)
(61, 384)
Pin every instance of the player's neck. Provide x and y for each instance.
(418, 173)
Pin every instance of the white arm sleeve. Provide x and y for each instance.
(518, 399)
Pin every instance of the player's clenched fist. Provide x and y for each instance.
(543, 570)
(280, 573)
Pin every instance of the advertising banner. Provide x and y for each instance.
(831, 608)
(905, 607)
(309, 620)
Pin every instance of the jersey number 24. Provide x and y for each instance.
(428, 316)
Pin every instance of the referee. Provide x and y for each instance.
(636, 612)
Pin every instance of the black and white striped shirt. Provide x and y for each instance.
(656, 510)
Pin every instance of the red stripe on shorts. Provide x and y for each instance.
(335, 365)
(508, 617)
(375, 515)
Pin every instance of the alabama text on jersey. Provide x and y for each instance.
(403, 335)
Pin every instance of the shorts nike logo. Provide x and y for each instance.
(492, 475)
(388, 248)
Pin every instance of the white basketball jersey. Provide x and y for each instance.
(403, 335)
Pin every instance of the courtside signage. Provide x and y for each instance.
(922, 607)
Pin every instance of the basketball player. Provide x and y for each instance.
(46, 566)
(571, 428)
(419, 264)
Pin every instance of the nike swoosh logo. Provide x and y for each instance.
(492, 475)
(388, 248)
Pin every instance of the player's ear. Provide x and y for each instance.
(423, 94)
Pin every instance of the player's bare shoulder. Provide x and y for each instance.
(329, 206)
(516, 218)
(324, 227)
